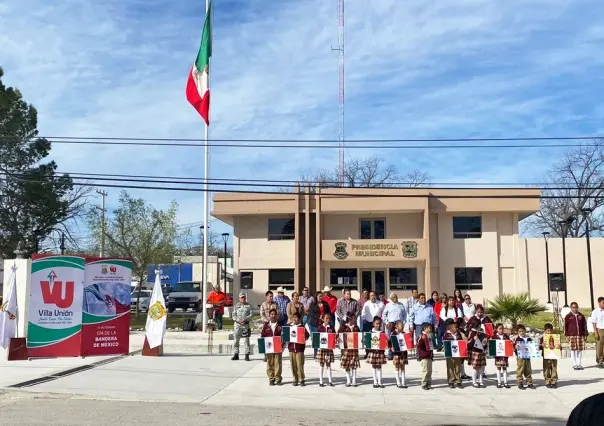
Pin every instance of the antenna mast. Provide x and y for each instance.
(340, 50)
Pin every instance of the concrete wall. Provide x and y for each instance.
(344, 226)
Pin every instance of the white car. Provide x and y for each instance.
(145, 295)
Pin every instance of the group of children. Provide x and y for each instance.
(350, 360)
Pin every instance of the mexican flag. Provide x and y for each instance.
(375, 340)
(294, 334)
(198, 84)
(456, 349)
(350, 340)
(324, 340)
(270, 345)
(402, 342)
(501, 348)
(487, 328)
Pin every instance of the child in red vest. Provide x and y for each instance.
(425, 351)
(325, 357)
(350, 357)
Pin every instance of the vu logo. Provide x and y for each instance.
(63, 299)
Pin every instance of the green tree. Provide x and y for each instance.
(138, 231)
(34, 200)
(513, 308)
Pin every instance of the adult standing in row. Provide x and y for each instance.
(412, 300)
(393, 312)
(458, 298)
(363, 299)
(347, 305)
(440, 325)
(597, 319)
(306, 299)
(422, 313)
(372, 308)
(242, 315)
(282, 300)
(332, 301)
(468, 308)
(294, 307)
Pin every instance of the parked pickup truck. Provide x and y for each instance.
(185, 295)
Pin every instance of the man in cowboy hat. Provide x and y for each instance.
(332, 301)
(282, 300)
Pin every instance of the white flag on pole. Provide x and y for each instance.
(9, 312)
(155, 329)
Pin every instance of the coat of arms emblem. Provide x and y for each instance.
(340, 251)
(409, 249)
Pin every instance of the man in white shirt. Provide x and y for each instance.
(393, 312)
(371, 309)
(597, 319)
(412, 300)
(468, 308)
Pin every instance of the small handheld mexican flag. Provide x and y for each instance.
(402, 342)
(350, 340)
(456, 349)
(294, 334)
(501, 348)
(487, 328)
(324, 340)
(375, 340)
(270, 345)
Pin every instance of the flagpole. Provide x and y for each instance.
(206, 206)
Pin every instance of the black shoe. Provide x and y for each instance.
(403, 386)
(484, 376)
(451, 385)
(475, 385)
(322, 385)
(465, 377)
(425, 388)
(271, 383)
(366, 355)
(482, 385)
(531, 386)
(375, 386)
(354, 385)
(348, 385)
(580, 367)
(381, 386)
(520, 386)
(575, 367)
(235, 357)
(295, 384)
(554, 385)
(302, 383)
(505, 385)
(331, 384)
(499, 386)
(459, 386)
(247, 357)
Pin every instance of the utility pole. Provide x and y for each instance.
(62, 246)
(103, 195)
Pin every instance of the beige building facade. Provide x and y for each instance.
(392, 240)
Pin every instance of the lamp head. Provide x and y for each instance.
(225, 236)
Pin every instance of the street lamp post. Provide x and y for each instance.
(225, 238)
(586, 212)
(549, 294)
(564, 224)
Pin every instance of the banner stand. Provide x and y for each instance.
(17, 349)
(157, 351)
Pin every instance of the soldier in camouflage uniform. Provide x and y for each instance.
(242, 315)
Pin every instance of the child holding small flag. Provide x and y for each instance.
(274, 362)
(523, 366)
(477, 359)
(325, 357)
(399, 359)
(480, 321)
(550, 366)
(425, 351)
(375, 357)
(296, 352)
(453, 364)
(350, 360)
(501, 362)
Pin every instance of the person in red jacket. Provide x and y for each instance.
(296, 352)
(350, 357)
(575, 330)
(274, 362)
(425, 351)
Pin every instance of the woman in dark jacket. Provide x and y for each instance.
(316, 309)
(575, 330)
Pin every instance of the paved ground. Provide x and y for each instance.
(201, 383)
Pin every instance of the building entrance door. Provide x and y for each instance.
(374, 280)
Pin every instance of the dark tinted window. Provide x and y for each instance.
(403, 278)
(468, 278)
(281, 229)
(467, 227)
(372, 229)
(281, 276)
(343, 278)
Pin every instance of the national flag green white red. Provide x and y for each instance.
(324, 340)
(294, 334)
(350, 340)
(501, 348)
(456, 349)
(487, 328)
(402, 342)
(270, 345)
(198, 84)
(375, 340)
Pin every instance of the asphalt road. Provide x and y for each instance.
(30, 409)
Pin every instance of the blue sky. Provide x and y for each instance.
(429, 69)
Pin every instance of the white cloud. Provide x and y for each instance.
(413, 70)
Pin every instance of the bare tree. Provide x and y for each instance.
(576, 183)
(371, 172)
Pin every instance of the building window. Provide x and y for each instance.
(467, 227)
(373, 229)
(281, 278)
(281, 229)
(344, 278)
(404, 279)
(468, 278)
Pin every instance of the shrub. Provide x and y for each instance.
(514, 308)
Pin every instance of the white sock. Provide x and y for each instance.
(321, 370)
(480, 373)
(348, 377)
(403, 378)
(379, 375)
(573, 355)
(397, 377)
(463, 369)
(375, 382)
(579, 355)
(354, 376)
(329, 374)
(504, 373)
(498, 377)
(474, 376)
